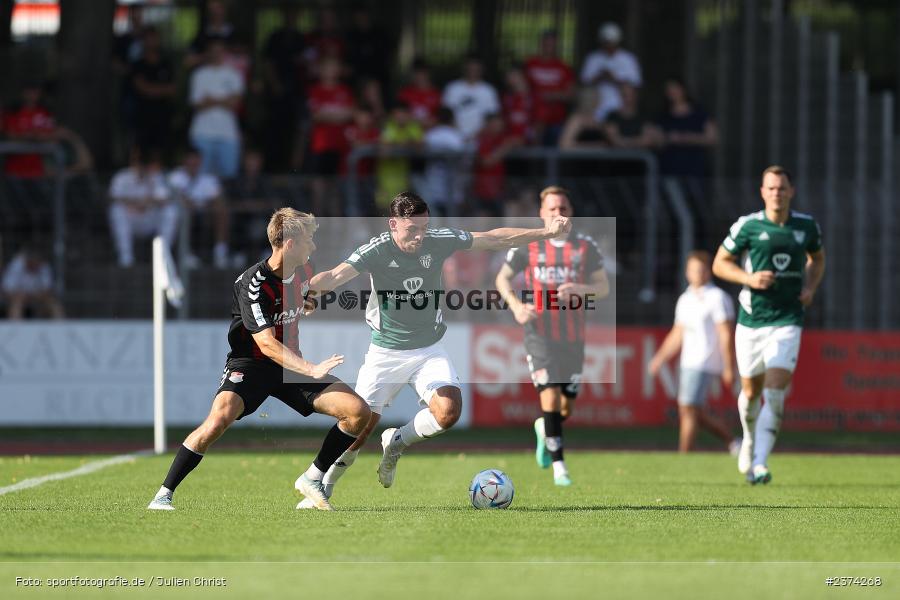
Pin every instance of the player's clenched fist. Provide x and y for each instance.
(560, 225)
(761, 280)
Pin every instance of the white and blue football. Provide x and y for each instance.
(491, 488)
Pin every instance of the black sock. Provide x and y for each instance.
(336, 442)
(553, 434)
(184, 463)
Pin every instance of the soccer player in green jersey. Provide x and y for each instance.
(777, 256)
(404, 265)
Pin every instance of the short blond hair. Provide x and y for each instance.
(289, 223)
(555, 189)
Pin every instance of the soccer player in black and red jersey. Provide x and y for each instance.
(556, 270)
(265, 360)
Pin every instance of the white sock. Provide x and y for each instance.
(559, 468)
(422, 426)
(769, 424)
(337, 470)
(314, 473)
(748, 410)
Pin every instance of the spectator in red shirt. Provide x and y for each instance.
(326, 41)
(422, 97)
(363, 131)
(517, 105)
(553, 86)
(331, 109)
(494, 143)
(30, 121)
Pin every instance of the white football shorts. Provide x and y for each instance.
(386, 371)
(761, 348)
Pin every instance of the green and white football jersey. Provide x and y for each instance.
(767, 246)
(403, 308)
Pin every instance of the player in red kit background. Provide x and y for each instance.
(556, 271)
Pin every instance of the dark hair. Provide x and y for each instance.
(689, 98)
(780, 171)
(445, 115)
(419, 64)
(407, 204)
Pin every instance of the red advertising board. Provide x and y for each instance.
(844, 381)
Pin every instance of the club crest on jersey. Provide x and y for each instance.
(236, 377)
(799, 236)
(425, 259)
(781, 261)
(412, 284)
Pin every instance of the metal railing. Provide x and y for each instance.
(552, 158)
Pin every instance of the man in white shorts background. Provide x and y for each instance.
(704, 317)
(777, 256)
(404, 266)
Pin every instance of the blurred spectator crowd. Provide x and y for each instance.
(318, 96)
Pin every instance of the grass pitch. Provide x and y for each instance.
(635, 524)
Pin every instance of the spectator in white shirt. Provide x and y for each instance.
(471, 99)
(609, 67)
(704, 318)
(442, 180)
(28, 287)
(201, 194)
(141, 205)
(216, 91)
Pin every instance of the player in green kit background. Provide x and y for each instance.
(777, 255)
(404, 266)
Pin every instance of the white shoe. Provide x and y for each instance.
(734, 448)
(387, 468)
(161, 502)
(314, 491)
(745, 455)
(305, 504)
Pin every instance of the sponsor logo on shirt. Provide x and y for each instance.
(412, 284)
(781, 261)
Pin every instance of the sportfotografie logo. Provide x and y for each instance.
(453, 300)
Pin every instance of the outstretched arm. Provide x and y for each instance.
(510, 237)
(335, 278)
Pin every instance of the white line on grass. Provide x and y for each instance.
(90, 467)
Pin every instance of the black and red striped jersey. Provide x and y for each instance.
(263, 300)
(547, 265)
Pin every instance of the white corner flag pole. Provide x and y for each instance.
(165, 281)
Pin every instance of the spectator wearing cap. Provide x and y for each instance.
(608, 68)
(201, 194)
(421, 95)
(471, 98)
(27, 286)
(141, 205)
(216, 91)
(552, 83)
